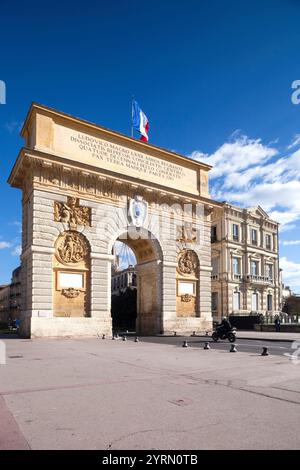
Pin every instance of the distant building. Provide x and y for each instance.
(15, 294)
(245, 262)
(123, 279)
(286, 292)
(4, 302)
(10, 297)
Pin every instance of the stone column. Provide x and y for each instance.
(101, 290)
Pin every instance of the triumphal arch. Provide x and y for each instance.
(83, 188)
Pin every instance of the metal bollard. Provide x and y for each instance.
(103, 336)
(136, 340)
(206, 334)
(206, 346)
(124, 338)
(233, 348)
(194, 333)
(185, 344)
(265, 351)
(175, 334)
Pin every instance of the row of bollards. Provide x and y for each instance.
(233, 348)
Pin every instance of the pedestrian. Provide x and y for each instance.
(277, 324)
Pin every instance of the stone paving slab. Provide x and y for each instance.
(95, 394)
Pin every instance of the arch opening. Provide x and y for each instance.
(136, 284)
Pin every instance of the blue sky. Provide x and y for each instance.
(213, 77)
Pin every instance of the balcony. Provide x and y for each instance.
(237, 277)
(215, 277)
(254, 279)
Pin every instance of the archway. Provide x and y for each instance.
(145, 279)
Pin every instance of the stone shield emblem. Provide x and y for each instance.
(138, 211)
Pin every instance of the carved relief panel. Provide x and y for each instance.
(187, 283)
(71, 272)
(72, 213)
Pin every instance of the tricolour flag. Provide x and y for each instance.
(140, 121)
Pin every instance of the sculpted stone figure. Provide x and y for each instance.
(71, 247)
(71, 213)
(187, 262)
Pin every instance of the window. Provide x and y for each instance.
(254, 268)
(215, 266)
(214, 237)
(254, 302)
(236, 262)
(268, 242)
(254, 236)
(269, 271)
(236, 301)
(270, 302)
(214, 301)
(235, 232)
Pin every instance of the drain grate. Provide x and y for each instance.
(15, 357)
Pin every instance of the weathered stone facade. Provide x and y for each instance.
(76, 199)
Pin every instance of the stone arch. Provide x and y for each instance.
(71, 275)
(149, 256)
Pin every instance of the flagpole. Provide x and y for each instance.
(132, 98)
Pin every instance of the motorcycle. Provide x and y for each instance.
(220, 333)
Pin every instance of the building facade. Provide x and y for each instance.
(15, 294)
(123, 279)
(245, 262)
(4, 302)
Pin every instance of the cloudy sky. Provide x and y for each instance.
(214, 79)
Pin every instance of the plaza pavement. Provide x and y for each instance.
(103, 394)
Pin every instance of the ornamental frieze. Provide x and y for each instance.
(187, 262)
(71, 247)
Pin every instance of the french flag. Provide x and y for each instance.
(140, 121)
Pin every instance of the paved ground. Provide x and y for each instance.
(95, 394)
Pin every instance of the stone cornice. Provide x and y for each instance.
(57, 173)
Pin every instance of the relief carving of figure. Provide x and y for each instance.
(72, 213)
(187, 262)
(71, 247)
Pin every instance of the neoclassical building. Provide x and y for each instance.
(245, 261)
(84, 187)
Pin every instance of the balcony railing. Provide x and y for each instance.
(259, 279)
(215, 277)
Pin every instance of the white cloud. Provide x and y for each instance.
(17, 250)
(291, 242)
(295, 142)
(4, 245)
(248, 173)
(236, 157)
(291, 273)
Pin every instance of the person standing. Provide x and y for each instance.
(277, 324)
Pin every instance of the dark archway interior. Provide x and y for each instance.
(123, 288)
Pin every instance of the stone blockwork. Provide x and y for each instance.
(59, 195)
